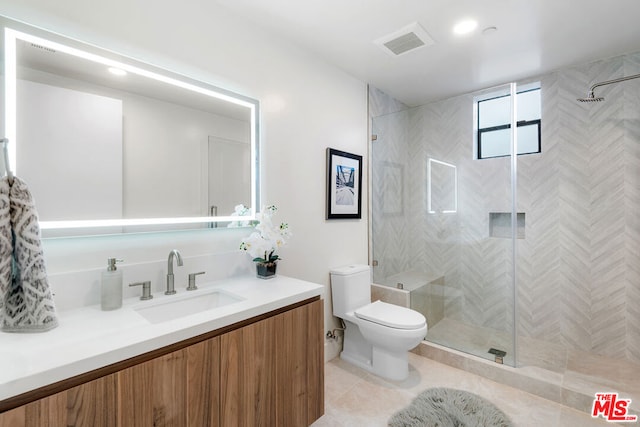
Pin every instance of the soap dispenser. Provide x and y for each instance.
(111, 286)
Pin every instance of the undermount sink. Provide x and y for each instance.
(172, 309)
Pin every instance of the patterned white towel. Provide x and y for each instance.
(26, 297)
(6, 243)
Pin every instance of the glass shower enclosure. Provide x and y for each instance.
(444, 220)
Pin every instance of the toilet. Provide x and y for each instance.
(378, 335)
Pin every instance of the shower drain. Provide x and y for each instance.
(499, 354)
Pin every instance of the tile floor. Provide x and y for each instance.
(355, 398)
(581, 372)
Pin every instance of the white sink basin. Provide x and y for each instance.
(171, 309)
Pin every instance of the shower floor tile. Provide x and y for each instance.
(593, 373)
(575, 375)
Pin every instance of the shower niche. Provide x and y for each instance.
(500, 225)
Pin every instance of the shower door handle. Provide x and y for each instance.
(213, 211)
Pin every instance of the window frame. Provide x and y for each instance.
(521, 123)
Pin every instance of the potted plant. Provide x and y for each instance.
(263, 243)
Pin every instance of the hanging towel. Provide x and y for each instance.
(27, 300)
(6, 243)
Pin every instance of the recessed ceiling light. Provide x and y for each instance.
(117, 71)
(465, 27)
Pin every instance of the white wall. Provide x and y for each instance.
(163, 148)
(307, 106)
(67, 176)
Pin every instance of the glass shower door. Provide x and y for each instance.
(444, 221)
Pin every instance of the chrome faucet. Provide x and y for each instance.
(170, 287)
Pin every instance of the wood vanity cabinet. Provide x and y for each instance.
(178, 389)
(272, 371)
(93, 403)
(268, 371)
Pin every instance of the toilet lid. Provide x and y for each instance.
(391, 315)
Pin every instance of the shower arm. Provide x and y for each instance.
(608, 82)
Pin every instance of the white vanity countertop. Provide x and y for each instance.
(88, 338)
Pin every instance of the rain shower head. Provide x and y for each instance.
(592, 98)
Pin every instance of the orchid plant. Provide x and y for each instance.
(267, 237)
(240, 211)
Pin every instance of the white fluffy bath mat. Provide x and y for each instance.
(447, 407)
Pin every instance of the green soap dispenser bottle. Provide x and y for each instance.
(111, 286)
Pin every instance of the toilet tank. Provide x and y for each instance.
(350, 288)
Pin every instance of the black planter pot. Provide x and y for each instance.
(266, 270)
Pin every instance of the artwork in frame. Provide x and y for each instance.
(344, 185)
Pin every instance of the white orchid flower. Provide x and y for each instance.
(263, 242)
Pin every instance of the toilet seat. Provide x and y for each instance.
(391, 315)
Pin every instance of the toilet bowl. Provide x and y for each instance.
(378, 335)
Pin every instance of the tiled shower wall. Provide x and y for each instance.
(578, 265)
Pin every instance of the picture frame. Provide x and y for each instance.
(344, 185)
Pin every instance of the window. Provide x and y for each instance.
(494, 124)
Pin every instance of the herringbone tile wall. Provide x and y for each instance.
(578, 267)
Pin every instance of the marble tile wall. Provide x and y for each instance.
(578, 268)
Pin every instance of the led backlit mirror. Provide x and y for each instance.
(108, 144)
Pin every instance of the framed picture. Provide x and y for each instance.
(344, 185)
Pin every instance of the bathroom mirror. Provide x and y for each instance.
(442, 188)
(108, 144)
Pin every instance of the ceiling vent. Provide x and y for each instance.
(405, 40)
(46, 49)
(24, 43)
